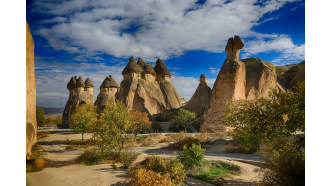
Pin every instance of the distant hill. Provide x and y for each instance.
(53, 110)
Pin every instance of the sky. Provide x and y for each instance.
(95, 38)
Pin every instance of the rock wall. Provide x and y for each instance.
(290, 75)
(31, 120)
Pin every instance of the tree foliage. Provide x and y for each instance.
(83, 119)
(140, 120)
(182, 118)
(273, 123)
(192, 157)
(41, 119)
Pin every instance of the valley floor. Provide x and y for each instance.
(61, 168)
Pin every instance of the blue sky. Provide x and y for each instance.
(95, 38)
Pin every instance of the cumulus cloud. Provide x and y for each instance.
(149, 28)
(282, 44)
(213, 70)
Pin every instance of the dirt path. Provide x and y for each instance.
(61, 168)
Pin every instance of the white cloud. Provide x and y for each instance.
(158, 28)
(275, 43)
(214, 70)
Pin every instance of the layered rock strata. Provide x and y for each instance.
(80, 93)
(31, 121)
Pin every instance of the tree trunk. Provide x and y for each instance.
(82, 136)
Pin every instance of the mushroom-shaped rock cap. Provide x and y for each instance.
(148, 69)
(234, 43)
(109, 82)
(88, 83)
(80, 82)
(161, 68)
(141, 62)
(72, 83)
(131, 67)
(202, 76)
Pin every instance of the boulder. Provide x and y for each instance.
(80, 93)
(200, 98)
(31, 120)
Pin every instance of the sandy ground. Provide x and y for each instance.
(61, 168)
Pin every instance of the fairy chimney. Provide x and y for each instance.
(233, 47)
(163, 74)
(132, 70)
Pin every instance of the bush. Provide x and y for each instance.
(127, 158)
(192, 157)
(140, 121)
(272, 122)
(174, 169)
(189, 141)
(92, 157)
(180, 121)
(146, 177)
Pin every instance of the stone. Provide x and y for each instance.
(290, 75)
(108, 91)
(233, 47)
(80, 93)
(261, 78)
(143, 92)
(200, 98)
(31, 120)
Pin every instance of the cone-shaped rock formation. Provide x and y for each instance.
(200, 98)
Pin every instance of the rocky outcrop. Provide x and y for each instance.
(80, 93)
(261, 78)
(246, 79)
(148, 90)
(200, 98)
(108, 91)
(31, 121)
(290, 75)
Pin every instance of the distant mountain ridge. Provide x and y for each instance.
(53, 110)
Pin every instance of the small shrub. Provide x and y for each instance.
(42, 134)
(150, 139)
(39, 163)
(127, 158)
(146, 177)
(173, 168)
(202, 137)
(189, 141)
(41, 119)
(92, 157)
(176, 137)
(114, 166)
(191, 157)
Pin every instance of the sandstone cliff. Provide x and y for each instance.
(31, 121)
(200, 98)
(80, 93)
(148, 90)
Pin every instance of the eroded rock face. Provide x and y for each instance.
(290, 75)
(108, 91)
(31, 120)
(149, 91)
(245, 79)
(229, 85)
(200, 98)
(261, 78)
(80, 93)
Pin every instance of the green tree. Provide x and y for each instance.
(113, 128)
(183, 117)
(41, 119)
(140, 120)
(191, 157)
(83, 119)
(276, 123)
